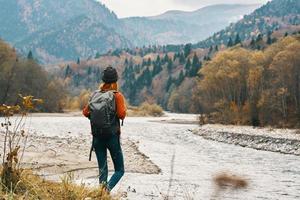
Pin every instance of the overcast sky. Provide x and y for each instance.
(126, 8)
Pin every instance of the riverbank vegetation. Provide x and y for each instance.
(20, 75)
(31, 186)
(145, 110)
(18, 183)
(242, 86)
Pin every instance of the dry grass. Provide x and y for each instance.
(31, 187)
(146, 110)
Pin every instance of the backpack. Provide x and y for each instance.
(103, 115)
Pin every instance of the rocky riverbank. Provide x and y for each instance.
(276, 140)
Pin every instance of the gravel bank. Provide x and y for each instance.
(285, 141)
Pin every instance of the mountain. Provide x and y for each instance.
(179, 27)
(79, 37)
(283, 15)
(166, 74)
(59, 29)
(64, 30)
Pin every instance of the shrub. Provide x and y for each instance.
(146, 109)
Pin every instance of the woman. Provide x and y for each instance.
(111, 142)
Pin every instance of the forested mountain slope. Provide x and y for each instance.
(275, 15)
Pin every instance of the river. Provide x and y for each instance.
(188, 163)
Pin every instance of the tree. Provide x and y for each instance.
(126, 62)
(78, 61)
(180, 78)
(169, 83)
(181, 59)
(98, 55)
(252, 43)
(149, 62)
(230, 42)
(30, 55)
(237, 39)
(259, 38)
(166, 58)
(156, 69)
(188, 65)
(170, 65)
(269, 38)
(187, 49)
(157, 60)
(216, 48)
(147, 76)
(68, 71)
(196, 65)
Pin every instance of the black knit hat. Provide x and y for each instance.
(110, 75)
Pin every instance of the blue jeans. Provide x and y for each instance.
(111, 143)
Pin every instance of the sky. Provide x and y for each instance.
(128, 8)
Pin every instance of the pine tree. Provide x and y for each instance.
(78, 61)
(149, 62)
(252, 43)
(144, 63)
(147, 76)
(89, 70)
(180, 78)
(68, 71)
(175, 56)
(187, 49)
(237, 39)
(170, 65)
(269, 39)
(216, 48)
(156, 69)
(230, 42)
(188, 65)
(181, 59)
(196, 65)
(126, 62)
(166, 58)
(286, 34)
(30, 55)
(157, 60)
(98, 55)
(259, 38)
(169, 83)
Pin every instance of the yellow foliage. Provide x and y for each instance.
(252, 84)
(146, 109)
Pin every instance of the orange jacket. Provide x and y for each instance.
(120, 102)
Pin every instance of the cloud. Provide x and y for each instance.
(126, 8)
(201, 3)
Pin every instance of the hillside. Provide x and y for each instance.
(79, 37)
(283, 15)
(65, 30)
(26, 77)
(179, 27)
(158, 74)
(81, 27)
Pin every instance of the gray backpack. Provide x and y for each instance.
(103, 112)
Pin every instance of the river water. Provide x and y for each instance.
(188, 163)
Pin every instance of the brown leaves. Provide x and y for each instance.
(13, 155)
